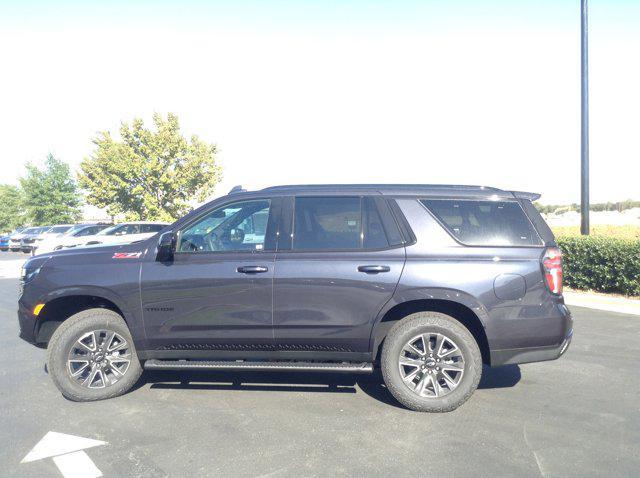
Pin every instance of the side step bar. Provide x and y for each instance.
(345, 367)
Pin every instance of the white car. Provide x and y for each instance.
(122, 233)
(56, 242)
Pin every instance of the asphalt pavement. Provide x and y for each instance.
(576, 416)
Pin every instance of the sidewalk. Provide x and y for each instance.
(602, 302)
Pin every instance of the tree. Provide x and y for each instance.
(149, 174)
(51, 194)
(12, 207)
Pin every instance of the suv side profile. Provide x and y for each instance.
(427, 282)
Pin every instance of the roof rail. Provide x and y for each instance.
(237, 189)
(382, 186)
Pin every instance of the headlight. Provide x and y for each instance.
(28, 274)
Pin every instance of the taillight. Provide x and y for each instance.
(552, 268)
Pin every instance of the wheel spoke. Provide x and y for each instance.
(438, 346)
(450, 383)
(409, 362)
(448, 353)
(75, 373)
(436, 385)
(99, 359)
(454, 367)
(439, 366)
(94, 345)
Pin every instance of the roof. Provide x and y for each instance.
(434, 190)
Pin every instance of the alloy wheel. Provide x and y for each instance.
(99, 359)
(431, 365)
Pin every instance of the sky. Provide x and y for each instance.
(455, 92)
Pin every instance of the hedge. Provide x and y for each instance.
(603, 264)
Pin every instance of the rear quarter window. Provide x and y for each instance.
(484, 223)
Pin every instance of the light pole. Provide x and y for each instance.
(584, 126)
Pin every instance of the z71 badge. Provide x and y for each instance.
(126, 255)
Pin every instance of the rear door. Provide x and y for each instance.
(217, 292)
(338, 262)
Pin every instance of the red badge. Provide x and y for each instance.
(126, 255)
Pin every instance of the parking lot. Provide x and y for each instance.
(577, 416)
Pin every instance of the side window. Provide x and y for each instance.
(374, 236)
(236, 227)
(146, 228)
(87, 231)
(485, 223)
(327, 223)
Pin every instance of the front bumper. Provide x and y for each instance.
(27, 322)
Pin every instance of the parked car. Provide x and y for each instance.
(122, 233)
(74, 233)
(426, 282)
(29, 237)
(30, 244)
(15, 238)
(4, 241)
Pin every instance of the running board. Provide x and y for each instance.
(344, 367)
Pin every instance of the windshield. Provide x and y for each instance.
(58, 229)
(110, 230)
(75, 228)
(34, 230)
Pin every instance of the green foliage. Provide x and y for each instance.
(604, 206)
(602, 264)
(149, 174)
(51, 194)
(11, 208)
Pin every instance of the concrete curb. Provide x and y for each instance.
(602, 302)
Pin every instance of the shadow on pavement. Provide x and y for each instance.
(372, 385)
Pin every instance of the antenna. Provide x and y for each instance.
(237, 189)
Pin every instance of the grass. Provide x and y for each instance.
(621, 232)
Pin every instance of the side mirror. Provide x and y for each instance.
(166, 247)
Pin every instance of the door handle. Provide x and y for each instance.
(252, 269)
(373, 269)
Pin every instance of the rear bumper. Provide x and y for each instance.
(531, 354)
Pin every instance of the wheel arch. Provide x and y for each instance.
(58, 307)
(458, 310)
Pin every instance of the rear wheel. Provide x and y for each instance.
(430, 362)
(91, 356)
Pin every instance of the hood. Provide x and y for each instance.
(101, 252)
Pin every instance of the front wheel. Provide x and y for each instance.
(431, 362)
(91, 356)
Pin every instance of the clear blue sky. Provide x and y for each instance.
(332, 91)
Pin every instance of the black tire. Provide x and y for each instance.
(435, 323)
(65, 337)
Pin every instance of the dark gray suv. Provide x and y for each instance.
(426, 282)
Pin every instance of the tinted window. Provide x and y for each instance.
(58, 229)
(485, 223)
(89, 231)
(240, 226)
(374, 236)
(327, 223)
(152, 227)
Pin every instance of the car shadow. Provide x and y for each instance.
(370, 384)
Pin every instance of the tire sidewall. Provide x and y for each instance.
(65, 337)
(417, 324)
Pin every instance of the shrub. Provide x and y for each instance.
(603, 264)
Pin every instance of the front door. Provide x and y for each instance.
(216, 295)
(333, 278)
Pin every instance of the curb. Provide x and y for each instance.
(602, 302)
